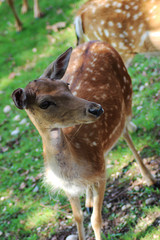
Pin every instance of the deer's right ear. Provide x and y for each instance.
(19, 98)
(57, 69)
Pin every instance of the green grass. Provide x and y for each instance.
(27, 210)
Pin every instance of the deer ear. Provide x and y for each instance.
(19, 98)
(57, 69)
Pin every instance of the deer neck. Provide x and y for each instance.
(55, 145)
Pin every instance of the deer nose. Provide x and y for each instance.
(97, 110)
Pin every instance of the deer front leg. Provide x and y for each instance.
(37, 12)
(18, 22)
(78, 215)
(144, 170)
(89, 199)
(96, 218)
(25, 6)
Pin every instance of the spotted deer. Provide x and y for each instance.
(25, 7)
(81, 105)
(131, 27)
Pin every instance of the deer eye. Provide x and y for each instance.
(45, 104)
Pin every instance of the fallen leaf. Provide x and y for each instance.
(22, 186)
(12, 75)
(23, 121)
(7, 109)
(55, 27)
(15, 132)
(59, 11)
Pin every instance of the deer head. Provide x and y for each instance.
(49, 102)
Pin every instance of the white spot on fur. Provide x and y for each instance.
(143, 38)
(119, 25)
(89, 70)
(152, 9)
(78, 87)
(107, 5)
(128, 15)
(114, 45)
(102, 22)
(118, 10)
(125, 79)
(127, 7)
(96, 35)
(119, 5)
(106, 32)
(135, 7)
(94, 144)
(100, 31)
(121, 35)
(136, 16)
(93, 10)
(110, 23)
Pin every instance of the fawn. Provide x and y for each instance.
(25, 7)
(76, 131)
(131, 27)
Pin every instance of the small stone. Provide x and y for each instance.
(7, 109)
(54, 238)
(36, 189)
(126, 206)
(1, 233)
(141, 88)
(23, 121)
(72, 237)
(22, 186)
(34, 50)
(16, 118)
(15, 132)
(150, 200)
(109, 166)
(139, 107)
(136, 188)
(109, 205)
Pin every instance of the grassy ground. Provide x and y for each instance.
(27, 210)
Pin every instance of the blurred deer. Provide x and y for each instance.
(66, 105)
(131, 27)
(25, 7)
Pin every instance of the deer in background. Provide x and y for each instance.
(131, 27)
(66, 105)
(25, 7)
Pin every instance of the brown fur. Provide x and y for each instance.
(129, 26)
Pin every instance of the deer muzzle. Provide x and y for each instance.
(96, 110)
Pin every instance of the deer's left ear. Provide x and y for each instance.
(19, 98)
(57, 69)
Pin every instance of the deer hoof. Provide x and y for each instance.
(89, 210)
(157, 184)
